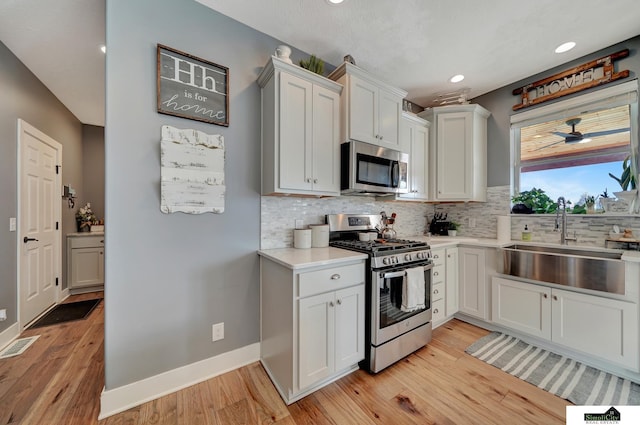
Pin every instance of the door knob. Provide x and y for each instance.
(26, 239)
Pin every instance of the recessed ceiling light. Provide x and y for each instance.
(456, 78)
(103, 48)
(335, 1)
(565, 47)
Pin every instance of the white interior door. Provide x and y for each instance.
(40, 210)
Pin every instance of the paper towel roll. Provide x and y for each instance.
(504, 228)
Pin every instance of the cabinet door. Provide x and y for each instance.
(472, 284)
(451, 282)
(295, 133)
(420, 161)
(454, 167)
(389, 113)
(599, 326)
(326, 149)
(316, 336)
(349, 309)
(521, 306)
(363, 111)
(87, 267)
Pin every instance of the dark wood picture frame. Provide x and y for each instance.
(191, 87)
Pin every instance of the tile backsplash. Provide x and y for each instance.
(477, 219)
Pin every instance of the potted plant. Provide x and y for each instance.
(313, 64)
(85, 218)
(590, 203)
(605, 200)
(453, 228)
(533, 201)
(627, 182)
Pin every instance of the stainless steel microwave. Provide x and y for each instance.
(367, 169)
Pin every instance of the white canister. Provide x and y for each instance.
(319, 235)
(302, 238)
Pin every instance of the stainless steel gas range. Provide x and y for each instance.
(398, 290)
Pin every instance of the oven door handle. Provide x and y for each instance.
(394, 274)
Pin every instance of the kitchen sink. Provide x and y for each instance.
(569, 266)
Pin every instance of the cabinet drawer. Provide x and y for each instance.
(438, 258)
(438, 273)
(437, 310)
(86, 241)
(330, 279)
(437, 291)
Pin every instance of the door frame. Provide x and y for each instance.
(57, 206)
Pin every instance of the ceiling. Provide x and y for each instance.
(416, 45)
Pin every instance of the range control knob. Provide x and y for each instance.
(407, 257)
(420, 255)
(385, 261)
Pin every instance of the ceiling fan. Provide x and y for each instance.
(576, 137)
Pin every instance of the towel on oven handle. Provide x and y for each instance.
(413, 290)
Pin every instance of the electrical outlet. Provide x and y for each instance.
(3, 314)
(472, 222)
(217, 331)
(299, 224)
(12, 224)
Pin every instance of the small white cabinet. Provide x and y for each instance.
(458, 152)
(85, 262)
(371, 109)
(300, 131)
(473, 284)
(414, 140)
(601, 327)
(312, 324)
(444, 285)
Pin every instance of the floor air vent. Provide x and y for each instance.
(18, 347)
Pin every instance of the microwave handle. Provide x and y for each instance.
(395, 174)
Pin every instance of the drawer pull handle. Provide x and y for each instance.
(100, 252)
(102, 241)
(436, 256)
(335, 276)
(339, 302)
(436, 273)
(435, 292)
(435, 311)
(555, 298)
(544, 296)
(330, 303)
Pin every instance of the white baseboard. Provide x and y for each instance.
(122, 398)
(9, 334)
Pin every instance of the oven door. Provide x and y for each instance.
(389, 320)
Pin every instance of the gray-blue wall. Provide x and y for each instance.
(24, 96)
(169, 277)
(501, 101)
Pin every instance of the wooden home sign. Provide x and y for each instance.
(591, 74)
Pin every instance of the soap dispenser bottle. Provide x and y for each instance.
(526, 233)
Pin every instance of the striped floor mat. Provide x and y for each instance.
(559, 375)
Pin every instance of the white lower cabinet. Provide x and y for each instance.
(444, 285)
(473, 284)
(85, 262)
(601, 327)
(312, 325)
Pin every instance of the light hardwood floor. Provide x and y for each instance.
(59, 380)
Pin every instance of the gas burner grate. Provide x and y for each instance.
(379, 246)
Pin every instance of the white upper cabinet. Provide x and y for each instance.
(371, 109)
(458, 152)
(300, 131)
(414, 140)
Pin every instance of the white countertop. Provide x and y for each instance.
(295, 259)
(84, 234)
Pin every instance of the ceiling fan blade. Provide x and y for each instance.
(604, 133)
(561, 134)
(551, 144)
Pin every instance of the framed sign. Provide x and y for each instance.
(193, 88)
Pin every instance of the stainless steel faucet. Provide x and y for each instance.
(564, 236)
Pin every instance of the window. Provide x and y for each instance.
(570, 147)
